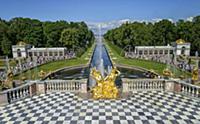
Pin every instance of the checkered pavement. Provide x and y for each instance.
(147, 107)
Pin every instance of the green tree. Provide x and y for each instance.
(70, 37)
(163, 32)
(27, 30)
(5, 43)
(184, 30)
(52, 32)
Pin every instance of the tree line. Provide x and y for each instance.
(73, 35)
(160, 33)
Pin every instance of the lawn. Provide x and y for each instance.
(115, 52)
(52, 66)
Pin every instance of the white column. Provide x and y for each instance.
(53, 53)
(48, 53)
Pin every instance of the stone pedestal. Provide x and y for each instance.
(124, 86)
(41, 88)
(32, 89)
(84, 87)
(3, 99)
(169, 86)
(177, 87)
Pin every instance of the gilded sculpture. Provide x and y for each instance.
(195, 74)
(167, 73)
(42, 74)
(105, 87)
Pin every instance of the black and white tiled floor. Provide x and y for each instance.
(150, 107)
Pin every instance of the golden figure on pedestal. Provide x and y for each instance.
(167, 73)
(195, 74)
(9, 80)
(105, 87)
(42, 74)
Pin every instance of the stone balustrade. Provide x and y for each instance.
(66, 85)
(40, 87)
(142, 84)
(187, 89)
(18, 93)
(177, 86)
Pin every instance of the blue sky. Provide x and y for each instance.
(99, 11)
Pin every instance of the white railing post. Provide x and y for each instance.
(41, 87)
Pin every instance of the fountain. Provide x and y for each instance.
(101, 62)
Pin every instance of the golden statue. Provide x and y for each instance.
(195, 74)
(42, 74)
(9, 80)
(167, 73)
(23, 78)
(105, 87)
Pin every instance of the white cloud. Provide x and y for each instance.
(156, 20)
(190, 18)
(116, 23)
(159, 19)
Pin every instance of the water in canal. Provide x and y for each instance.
(101, 61)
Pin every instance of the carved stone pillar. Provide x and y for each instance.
(84, 86)
(41, 88)
(32, 89)
(124, 86)
(169, 86)
(177, 87)
(3, 99)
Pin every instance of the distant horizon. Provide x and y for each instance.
(189, 18)
(99, 11)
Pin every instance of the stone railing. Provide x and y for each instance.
(187, 89)
(177, 86)
(62, 85)
(18, 93)
(66, 85)
(39, 87)
(142, 84)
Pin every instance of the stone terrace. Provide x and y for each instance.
(148, 107)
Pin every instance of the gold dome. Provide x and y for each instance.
(21, 43)
(180, 41)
